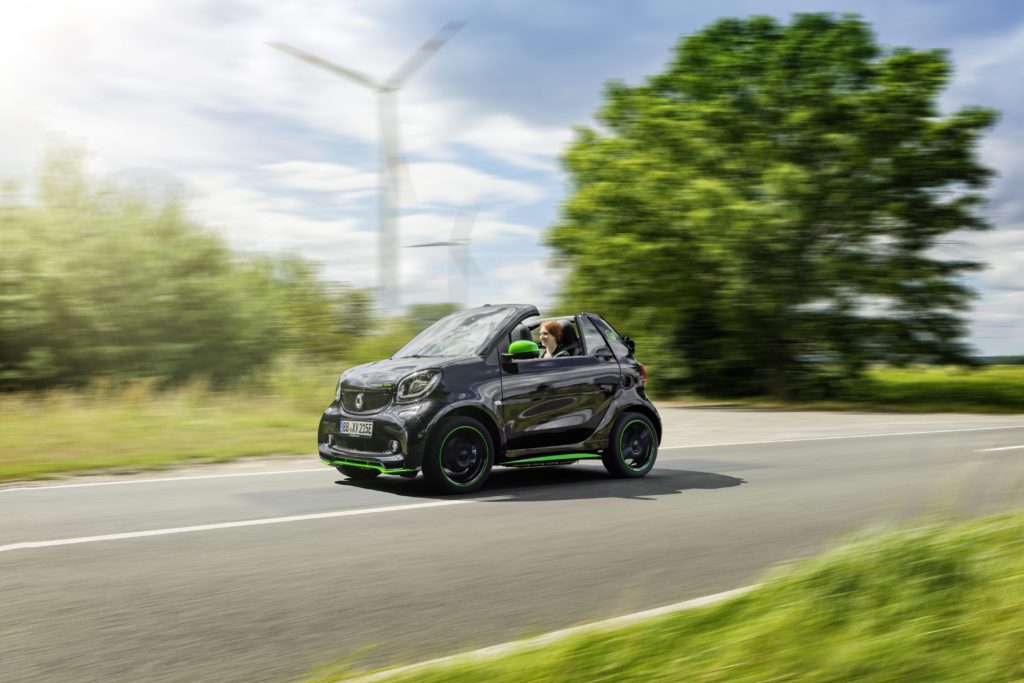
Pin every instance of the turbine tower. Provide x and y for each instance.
(389, 155)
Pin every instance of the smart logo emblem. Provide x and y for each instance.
(359, 401)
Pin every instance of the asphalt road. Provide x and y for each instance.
(394, 577)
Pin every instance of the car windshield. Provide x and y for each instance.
(459, 334)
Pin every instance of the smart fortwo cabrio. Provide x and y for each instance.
(472, 391)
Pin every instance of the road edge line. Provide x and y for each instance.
(536, 642)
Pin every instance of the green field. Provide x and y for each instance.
(934, 603)
(136, 426)
(998, 388)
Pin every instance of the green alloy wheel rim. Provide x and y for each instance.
(637, 445)
(463, 455)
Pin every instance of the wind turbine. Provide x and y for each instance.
(458, 253)
(389, 156)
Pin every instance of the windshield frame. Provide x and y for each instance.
(441, 329)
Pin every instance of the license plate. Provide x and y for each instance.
(353, 428)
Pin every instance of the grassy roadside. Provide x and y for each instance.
(994, 390)
(137, 427)
(935, 603)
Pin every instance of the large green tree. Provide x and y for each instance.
(766, 210)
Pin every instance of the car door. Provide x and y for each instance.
(554, 402)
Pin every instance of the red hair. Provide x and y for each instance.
(554, 328)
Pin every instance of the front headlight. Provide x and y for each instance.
(418, 385)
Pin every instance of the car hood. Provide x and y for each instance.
(385, 374)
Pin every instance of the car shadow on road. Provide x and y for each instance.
(561, 483)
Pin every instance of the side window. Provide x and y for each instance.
(592, 339)
(618, 348)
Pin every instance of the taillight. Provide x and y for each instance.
(643, 374)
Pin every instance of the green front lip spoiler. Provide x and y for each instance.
(342, 462)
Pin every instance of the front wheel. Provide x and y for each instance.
(632, 448)
(459, 455)
(358, 473)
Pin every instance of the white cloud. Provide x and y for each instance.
(255, 221)
(998, 324)
(432, 183)
(516, 142)
(322, 177)
(479, 228)
(531, 282)
(458, 185)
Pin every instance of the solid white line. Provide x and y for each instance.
(227, 525)
(548, 638)
(847, 436)
(159, 480)
(1002, 448)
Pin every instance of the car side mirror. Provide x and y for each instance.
(521, 350)
(630, 344)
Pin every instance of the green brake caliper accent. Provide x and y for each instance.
(654, 447)
(440, 454)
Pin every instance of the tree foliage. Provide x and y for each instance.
(100, 282)
(766, 210)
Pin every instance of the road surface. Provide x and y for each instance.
(265, 569)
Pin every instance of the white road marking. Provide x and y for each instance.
(227, 525)
(662, 448)
(1002, 448)
(162, 479)
(495, 651)
(845, 436)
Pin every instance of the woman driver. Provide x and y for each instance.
(550, 338)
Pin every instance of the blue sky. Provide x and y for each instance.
(278, 155)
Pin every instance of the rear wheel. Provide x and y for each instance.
(632, 447)
(360, 473)
(459, 455)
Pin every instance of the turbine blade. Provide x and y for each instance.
(344, 72)
(428, 49)
(432, 244)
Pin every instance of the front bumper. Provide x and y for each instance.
(405, 424)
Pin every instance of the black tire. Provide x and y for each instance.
(358, 473)
(632, 446)
(459, 456)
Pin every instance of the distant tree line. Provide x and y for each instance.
(1000, 360)
(100, 282)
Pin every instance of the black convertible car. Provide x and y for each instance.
(471, 391)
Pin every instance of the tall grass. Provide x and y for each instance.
(933, 604)
(134, 425)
